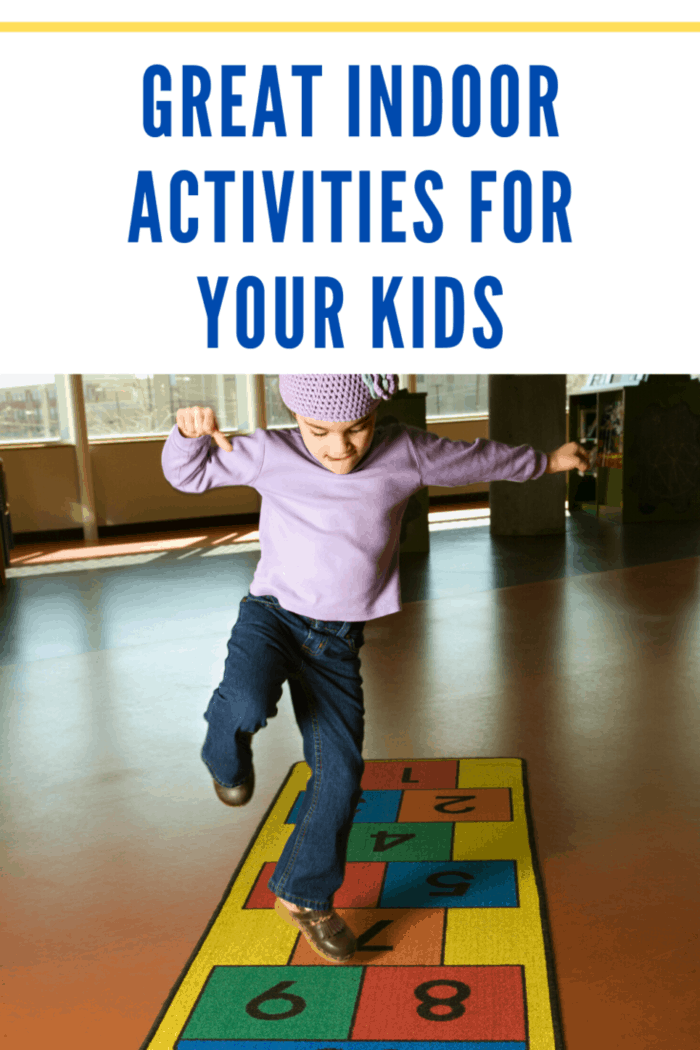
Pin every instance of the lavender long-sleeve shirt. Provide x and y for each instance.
(330, 542)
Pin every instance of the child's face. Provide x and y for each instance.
(338, 446)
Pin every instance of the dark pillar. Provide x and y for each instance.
(528, 410)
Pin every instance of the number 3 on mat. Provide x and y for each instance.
(454, 804)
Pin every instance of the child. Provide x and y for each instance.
(334, 493)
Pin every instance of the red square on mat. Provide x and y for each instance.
(408, 775)
(361, 886)
(441, 1003)
(260, 896)
(360, 889)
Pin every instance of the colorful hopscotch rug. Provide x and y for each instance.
(442, 891)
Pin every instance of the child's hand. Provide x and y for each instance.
(196, 422)
(571, 456)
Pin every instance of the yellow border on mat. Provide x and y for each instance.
(350, 27)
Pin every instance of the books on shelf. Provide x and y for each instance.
(610, 435)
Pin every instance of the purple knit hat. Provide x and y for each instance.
(336, 398)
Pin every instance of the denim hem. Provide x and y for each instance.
(302, 902)
(220, 782)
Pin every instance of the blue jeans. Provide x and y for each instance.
(319, 659)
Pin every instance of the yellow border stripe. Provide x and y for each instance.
(350, 27)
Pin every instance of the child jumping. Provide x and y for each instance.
(333, 495)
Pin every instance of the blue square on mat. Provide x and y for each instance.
(380, 807)
(450, 884)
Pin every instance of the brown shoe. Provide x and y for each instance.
(238, 795)
(241, 793)
(326, 932)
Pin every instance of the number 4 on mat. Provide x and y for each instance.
(383, 844)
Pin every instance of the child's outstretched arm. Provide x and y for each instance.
(196, 422)
(570, 456)
(192, 464)
(441, 461)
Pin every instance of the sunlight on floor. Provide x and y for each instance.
(464, 518)
(74, 556)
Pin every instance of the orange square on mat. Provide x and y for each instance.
(386, 937)
(361, 886)
(456, 804)
(409, 776)
(479, 1003)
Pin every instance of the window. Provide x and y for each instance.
(35, 407)
(575, 384)
(455, 395)
(133, 405)
(277, 413)
(28, 408)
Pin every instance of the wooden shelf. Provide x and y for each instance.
(646, 438)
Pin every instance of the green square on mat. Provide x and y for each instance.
(247, 1002)
(385, 842)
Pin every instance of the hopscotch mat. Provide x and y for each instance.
(443, 893)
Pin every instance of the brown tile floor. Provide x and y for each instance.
(119, 851)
